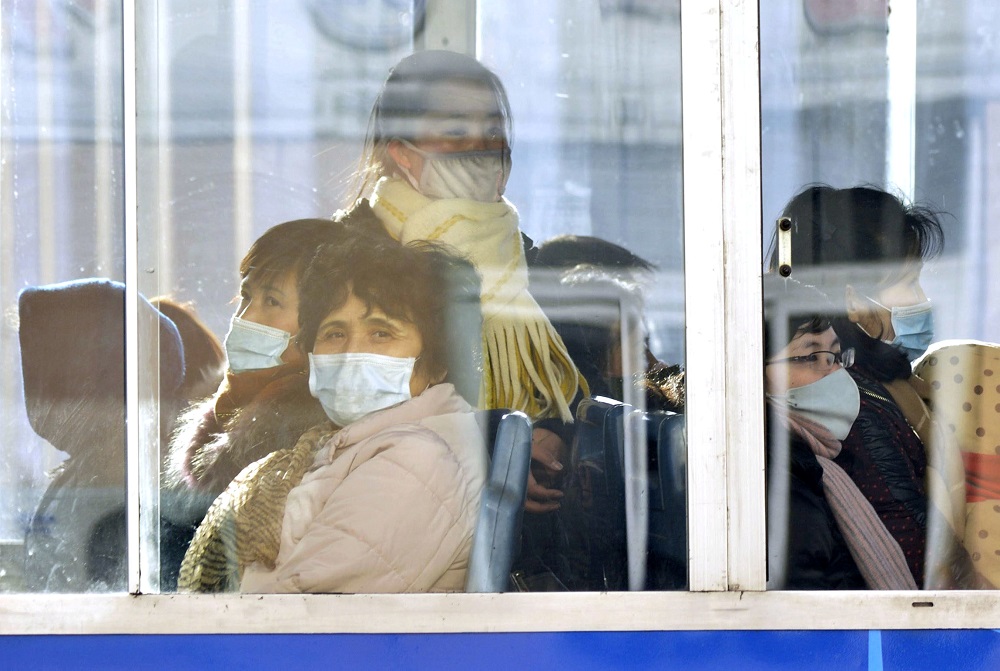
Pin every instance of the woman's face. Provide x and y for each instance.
(353, 328)
(470, 124)
(876, 320)
(274, 303)
(781, 375)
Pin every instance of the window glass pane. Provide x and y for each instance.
(878, 124)
(255, 113)
(250, 114)
(62, 458)
(595, 92)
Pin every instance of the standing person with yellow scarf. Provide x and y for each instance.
(435, 165)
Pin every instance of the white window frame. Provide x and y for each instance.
(722, 217)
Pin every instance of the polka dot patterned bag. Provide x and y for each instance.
(964, 379)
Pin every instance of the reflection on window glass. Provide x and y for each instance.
(534, 197)
(880, 304)
(595, 92)
(61, 340)
(386, 292)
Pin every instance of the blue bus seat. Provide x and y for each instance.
(597, 489)
(495, 542)
(667, 556)
(598, 484)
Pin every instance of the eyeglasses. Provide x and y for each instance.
(822, 360)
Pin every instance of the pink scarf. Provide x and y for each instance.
(876, 553)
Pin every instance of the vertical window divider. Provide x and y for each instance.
(132, 432)
(742, 233)
(721, 120)
(704, 295)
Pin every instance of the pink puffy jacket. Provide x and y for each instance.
(389, 504)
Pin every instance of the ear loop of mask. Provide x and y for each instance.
(405, 171)
(859, 324)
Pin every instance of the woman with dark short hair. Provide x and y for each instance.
(812, 403)
(262, 403)
(222, 434)
(382, 497)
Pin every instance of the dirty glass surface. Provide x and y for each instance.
(62, 454)
(878, 150)
(255, 113)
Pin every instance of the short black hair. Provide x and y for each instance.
(570, 251)
(861, 224)
(867, 227)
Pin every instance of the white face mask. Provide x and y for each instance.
(474, 175)
(833, 401)
(352, 385)
(253, 346)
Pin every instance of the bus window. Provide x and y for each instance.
(255, 115)
(294, 120)
(877, 153)
(62, 450)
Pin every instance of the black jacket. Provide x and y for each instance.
(817, 556)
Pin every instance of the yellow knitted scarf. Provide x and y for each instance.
(526, 364)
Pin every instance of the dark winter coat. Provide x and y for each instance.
(818, 556)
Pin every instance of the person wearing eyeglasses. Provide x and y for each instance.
(820, 526)
(865, 248)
